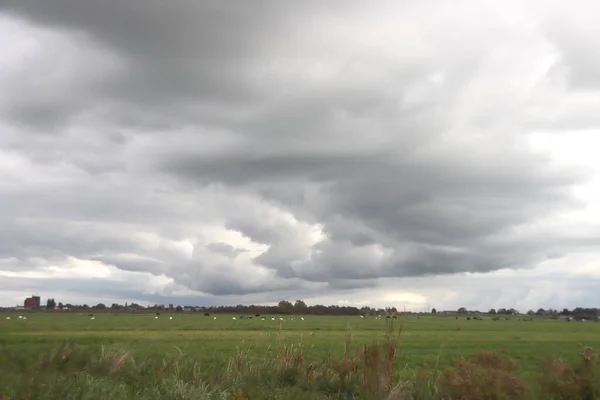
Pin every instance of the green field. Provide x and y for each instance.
(433, 342)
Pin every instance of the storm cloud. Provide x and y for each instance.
(229, 151)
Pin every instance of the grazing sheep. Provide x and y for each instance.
(24, 317)
(302, 318)
(156, 317)
(92, 317)
(214, 317)
(7, 317)
(272, 318)
(170, 317)
(233, 318)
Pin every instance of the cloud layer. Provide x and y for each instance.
(227, 152)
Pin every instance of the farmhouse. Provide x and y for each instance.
(32, 302)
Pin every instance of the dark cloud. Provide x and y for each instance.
(225, 249)
(280, 149)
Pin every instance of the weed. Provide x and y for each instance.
(562, 380)
(486, 376)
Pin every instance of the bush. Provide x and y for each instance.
(486, 376)
(560, 380)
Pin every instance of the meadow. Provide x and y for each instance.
(192, 356)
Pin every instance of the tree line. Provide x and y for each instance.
(283, 307)
(300, 307)
(577, 312)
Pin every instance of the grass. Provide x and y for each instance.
(125, 356)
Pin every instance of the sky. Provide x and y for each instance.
(410, 154)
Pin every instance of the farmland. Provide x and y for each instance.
(209, 349)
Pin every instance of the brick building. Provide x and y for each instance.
(32, 302)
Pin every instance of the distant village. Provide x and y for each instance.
(34, 303)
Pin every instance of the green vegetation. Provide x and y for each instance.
(135, 356)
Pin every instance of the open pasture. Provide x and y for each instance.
(51, 356)
(424, 342)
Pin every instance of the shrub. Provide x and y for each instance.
(486, 376)
(560, 380)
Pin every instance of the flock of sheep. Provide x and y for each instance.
(92, 317)
(241, 317)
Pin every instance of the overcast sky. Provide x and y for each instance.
(390, 153)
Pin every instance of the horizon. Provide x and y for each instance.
(341, 153)
(167, 306)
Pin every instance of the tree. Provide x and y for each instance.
(433, 311)
(285, 307)
(178, 309)
(61, 306)
(50, 304)
(492, 311)
(540, 311)
(300, 306)
(462, 310)
(530, 312)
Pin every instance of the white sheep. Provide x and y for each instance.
(233, 318)
(302, 318)
(214, 317)
(170, 317)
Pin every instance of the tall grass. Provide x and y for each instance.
(286, 371)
